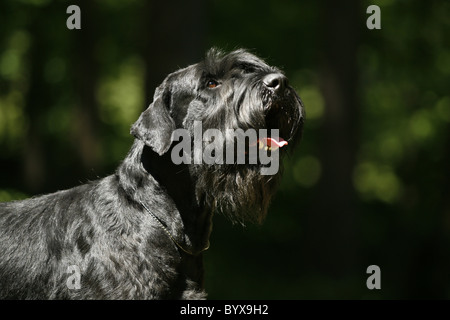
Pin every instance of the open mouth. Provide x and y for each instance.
(276, 117)
(271, 144)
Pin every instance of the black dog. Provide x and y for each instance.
(140, 233)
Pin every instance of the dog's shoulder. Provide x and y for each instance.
(29, 205)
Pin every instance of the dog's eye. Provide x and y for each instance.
(212, 84)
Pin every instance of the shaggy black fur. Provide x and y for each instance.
(140, 233)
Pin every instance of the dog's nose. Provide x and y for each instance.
(275, 81)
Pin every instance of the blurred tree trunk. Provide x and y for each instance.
(86, 122)
(39, 153)
(332, 222)
(177, 38)
(36, 106)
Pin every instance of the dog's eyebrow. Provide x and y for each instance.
(246, 66)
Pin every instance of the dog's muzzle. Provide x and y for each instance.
(275, 86)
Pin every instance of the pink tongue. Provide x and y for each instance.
(273, 143)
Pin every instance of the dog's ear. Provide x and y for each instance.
(155, 125)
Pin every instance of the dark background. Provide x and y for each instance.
(369, 183)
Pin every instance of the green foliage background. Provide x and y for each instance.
(368, 185)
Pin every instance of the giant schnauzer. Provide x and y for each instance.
(140, 233)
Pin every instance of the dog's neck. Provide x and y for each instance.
(144, 173)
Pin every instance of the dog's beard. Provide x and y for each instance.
(239, 192)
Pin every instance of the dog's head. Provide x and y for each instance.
(225, 92)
